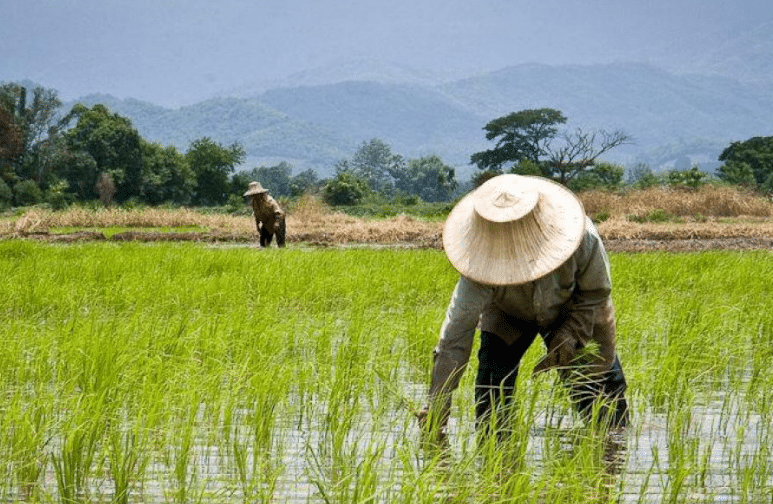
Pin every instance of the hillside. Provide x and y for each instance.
(671, 117)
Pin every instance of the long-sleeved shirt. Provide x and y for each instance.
(267, 211)
(574, 297)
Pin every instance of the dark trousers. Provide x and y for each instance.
(266, 235)
(498, 365)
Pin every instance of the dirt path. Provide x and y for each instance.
(672, 243)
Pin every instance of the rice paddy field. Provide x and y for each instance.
(189, 372)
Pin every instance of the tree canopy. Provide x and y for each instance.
(527, 140)
(390, 174)
(114, 145)
(29, 126)
(375, 163)
(212, 164)
(519, 135)
(750, 161)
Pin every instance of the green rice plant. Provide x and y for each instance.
(127, 458)
(187, 372)
(179, 457)
(24, 429)
(74, 460)
(255, 449)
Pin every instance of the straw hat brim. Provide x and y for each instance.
(516, 241)
(255, 188)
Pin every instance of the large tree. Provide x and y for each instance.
(212, 164)
(428, 177)
(578, 153)
(527, 139)
(749, 160)
(166, 175)
(113, 143)
(519, 135)
(375, 163)
(29, 124)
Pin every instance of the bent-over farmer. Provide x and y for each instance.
(269, 217)
(531, 262)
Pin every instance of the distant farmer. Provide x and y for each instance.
(269, 217)
(531, 263)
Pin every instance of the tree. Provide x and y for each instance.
(755, 154)
(520, 135)
(166, 175)
(304, 182)
(345, 188)
(427, 177)
(737, 173)
(105, 188)
(640, 175)
(27, 192)
(79, 169)
(113, 143)
(600, 176)
(27, 126)
(526, 139)
(375, 163)
(276, 178)
(212, 164)
(11, 144)
(579, 152)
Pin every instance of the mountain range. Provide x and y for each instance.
(676, 116)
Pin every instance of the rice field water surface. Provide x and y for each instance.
(188, 373)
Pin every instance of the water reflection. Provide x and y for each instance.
(707, 453)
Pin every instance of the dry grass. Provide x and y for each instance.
(40, 220)
(710, 213)
(707, 201)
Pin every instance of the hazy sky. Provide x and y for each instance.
(174, 52)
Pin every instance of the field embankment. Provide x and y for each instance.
(652, 219)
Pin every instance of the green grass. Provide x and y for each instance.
(109, 231)
(185, 373)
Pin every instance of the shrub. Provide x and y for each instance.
(27, 192)
(345, 188)
(693, 177)
(654, 215)
(58, 197)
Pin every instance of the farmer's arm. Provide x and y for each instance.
(457, 334)
(589, 303)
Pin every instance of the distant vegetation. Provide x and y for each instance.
(95, 156)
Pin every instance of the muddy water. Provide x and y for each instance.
(715, 456)
(715, 453)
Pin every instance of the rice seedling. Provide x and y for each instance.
(189, 373)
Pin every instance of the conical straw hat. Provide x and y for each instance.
(254, 188)
(513, 229)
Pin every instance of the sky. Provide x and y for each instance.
(178, 52)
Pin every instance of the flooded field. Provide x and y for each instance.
(183, 373)
(721, 456)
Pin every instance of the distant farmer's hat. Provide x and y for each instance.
(513, 229)
(254, 188)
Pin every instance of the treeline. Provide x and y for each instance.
(91, 154)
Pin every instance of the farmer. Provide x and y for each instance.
(531, 263)
(269, 217)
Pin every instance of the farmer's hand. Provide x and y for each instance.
(433, 433)
(562, 350)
